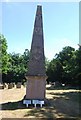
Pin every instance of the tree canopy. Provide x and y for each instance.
(68, 69)
(65, 67)
(4, 58)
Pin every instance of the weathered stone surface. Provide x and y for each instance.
(36, 77)
(37, 59)
(36, 88)
(1, 86)
(18, 85)
(13, 84)
(10, 86)
(0, 78)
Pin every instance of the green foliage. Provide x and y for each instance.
(67, 58)
(66, 67)
(46, 63)
(4, 58)
(13, 66)
(65, 55)
(18, 66)
(78, 61)
(54, 70)
(78, 58)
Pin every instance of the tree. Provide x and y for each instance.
(68, 59)
(78, 66)
(26, 56)
(46, 63)
(4, 58)
(18, 66)
(66, 66)
(54, 71)
(65, 54)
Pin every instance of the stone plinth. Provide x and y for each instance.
(36, 87)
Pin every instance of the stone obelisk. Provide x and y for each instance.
(36, 77)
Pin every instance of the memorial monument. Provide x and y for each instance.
(36, 76)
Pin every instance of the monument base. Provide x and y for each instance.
(36, 86)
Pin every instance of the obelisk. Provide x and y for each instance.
(36, 77)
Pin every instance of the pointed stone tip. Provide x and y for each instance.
(39, 5)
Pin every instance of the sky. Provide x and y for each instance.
(60, 25)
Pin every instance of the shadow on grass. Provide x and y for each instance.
(51, 109)
(12, 105)
(38, 112)
(62, 105)
(54, 110)
(71, 101)
(52, 87)
(19, 105)
(72, 96)
(40, 119)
